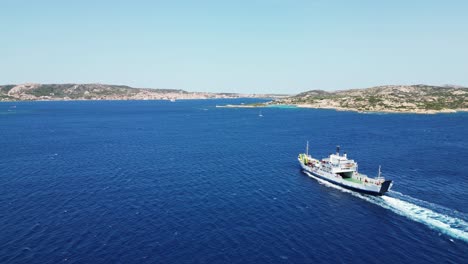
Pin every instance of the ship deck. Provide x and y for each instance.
(352, 180)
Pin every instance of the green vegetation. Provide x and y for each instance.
(257, 104)
(6, 88)
(5, 97)
(373, 100)
(433, 106)
(47, 90)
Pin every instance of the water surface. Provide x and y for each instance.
(186, 182)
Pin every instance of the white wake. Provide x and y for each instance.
(415, 209)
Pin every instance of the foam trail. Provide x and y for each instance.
(434, 207)
(449, 225)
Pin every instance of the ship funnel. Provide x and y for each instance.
(345, 155)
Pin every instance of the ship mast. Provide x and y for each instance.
(307, 148)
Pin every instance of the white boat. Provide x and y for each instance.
(340, 170)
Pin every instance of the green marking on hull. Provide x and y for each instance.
(353, 180)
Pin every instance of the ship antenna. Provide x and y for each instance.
(379, 172)
(307, 148)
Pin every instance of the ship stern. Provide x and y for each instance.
(386, 185)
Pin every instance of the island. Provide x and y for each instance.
(96, 91)
(424, 99)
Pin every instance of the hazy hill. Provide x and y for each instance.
(71, 91)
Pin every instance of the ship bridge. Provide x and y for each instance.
(341, 163)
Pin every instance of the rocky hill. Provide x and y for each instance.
(25, 92)
(389, 98)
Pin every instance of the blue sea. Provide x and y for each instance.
(186, 182)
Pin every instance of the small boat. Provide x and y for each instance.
(260, 114)
(340, 170)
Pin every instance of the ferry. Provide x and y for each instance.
(340, 170)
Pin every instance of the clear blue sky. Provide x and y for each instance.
(238, 46)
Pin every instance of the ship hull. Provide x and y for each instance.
(366, 189)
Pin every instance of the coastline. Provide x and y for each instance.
(387, 111)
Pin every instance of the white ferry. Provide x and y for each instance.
(340, 170)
